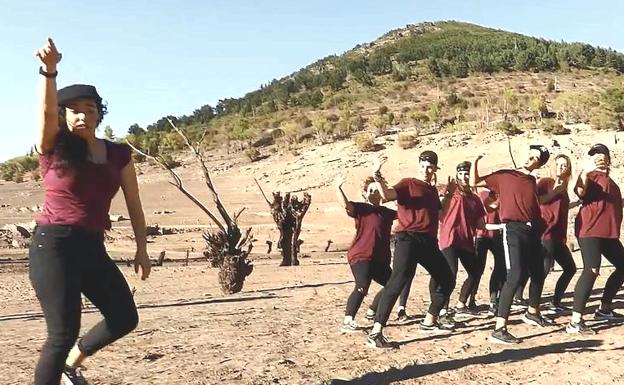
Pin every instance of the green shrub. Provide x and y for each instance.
(365, 142)
(407, 141)
(508, 128)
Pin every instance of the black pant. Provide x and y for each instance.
(559, 252)
(591, 250)
(410, 250)
(523, 255)
(453, 256)
(65, 261)
(499, 272)
(364, 272)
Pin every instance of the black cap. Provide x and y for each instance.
(464, 166)
(599, 149)
(76, 91)
(429, 156)
(544, 153)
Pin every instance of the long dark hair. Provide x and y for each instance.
(70, 150)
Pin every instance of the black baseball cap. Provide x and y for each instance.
(464, 166)
(76, 91)
(599, 149)
(544, 153)
(429, 156)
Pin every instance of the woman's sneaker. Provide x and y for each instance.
(601, 315)
(402, 317)
(350, 327)
(537, 320)
(519, 304)
(436, 327)
(379, 341)
(579, 328)
(502, 336)
(72, 376)
(370, 315)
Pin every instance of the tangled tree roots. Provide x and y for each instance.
(229, 254)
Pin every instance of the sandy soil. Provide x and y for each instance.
(283, 328)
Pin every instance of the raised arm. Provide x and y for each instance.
(560, 187)
(387, 193)
(475, 178)
(451, 186)
(580, 189)
(49, 56)
(130, 188)
(342, 197)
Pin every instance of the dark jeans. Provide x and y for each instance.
(591, 250)
(523, 255)
(559, 252)
(499, 273)
(64, 262)
(364, 272)
(412, 249)
(453, 256)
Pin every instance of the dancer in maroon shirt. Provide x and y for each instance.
(597, 228)
(463, 215)
(67, 256)
(520, 214)
(554, 206)
(369, 254)
(418, 213)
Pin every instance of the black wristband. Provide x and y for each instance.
(47, 74)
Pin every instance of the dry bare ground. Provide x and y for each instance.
(284, 327)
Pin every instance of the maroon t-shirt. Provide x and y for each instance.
(418, 206)
(555, 212)
(600, 215)
(83, 197)
(517, 194)
(490, 217)
(459, 223)
(372, 233)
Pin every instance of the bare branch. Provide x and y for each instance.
(262, 191)
(178, 184)
(236, 215)
(199, 155)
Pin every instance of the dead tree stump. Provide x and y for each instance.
(228, 247)
(288, 212)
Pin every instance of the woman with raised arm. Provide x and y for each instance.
(554, 206)
(81, 174)
(458, 223)
(597, 228)
(369, 254)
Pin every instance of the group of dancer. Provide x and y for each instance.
(521, 220)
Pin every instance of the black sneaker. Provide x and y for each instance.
(502, 336)
(610, 315)
(537, 320)
(72, 376)
(402, 317)
(493, 309)
(379, 341)
(465, 311)
(557, 308)
(579, 328)
(519, 304)
(436, 327)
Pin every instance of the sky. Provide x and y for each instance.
(154, 58)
